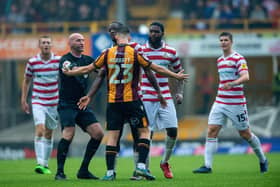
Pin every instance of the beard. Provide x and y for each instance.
(156, 42)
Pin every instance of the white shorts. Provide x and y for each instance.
(161, 118)
(238, 114)
(45, 115)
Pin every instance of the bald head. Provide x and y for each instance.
(74, 36)
(76, 43)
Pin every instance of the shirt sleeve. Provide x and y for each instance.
(28, 69)
(176, 63)
(143, 61)
(242, 65)
(100, 61)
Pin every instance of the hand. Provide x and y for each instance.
(162, 101)
(25, 107)
(182, 76)
(228, 85)
(179, 98)
(83, 102)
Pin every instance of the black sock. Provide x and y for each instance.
(111, 152)
(143, 149)
(92, 146)
(62, 150)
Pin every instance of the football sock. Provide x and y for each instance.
(141, 165)
(111, 152)
(143, 148)
(48, 146)
(254, 142)
(210, 148)
(39, 149)
(92, 146)
(62, 150)
(110, 172)
(136, 157)
(169, 145)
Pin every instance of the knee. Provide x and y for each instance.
(68, 133)
(100, 135)
(246, 135)
(172, 132)
(39, 130)
(213, 131)
(144, 133)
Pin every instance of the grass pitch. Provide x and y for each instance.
(228, 170)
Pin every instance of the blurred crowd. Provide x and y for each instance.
(21, 11)
(228, 10)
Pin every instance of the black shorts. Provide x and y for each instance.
(133, 112)
(70, 114)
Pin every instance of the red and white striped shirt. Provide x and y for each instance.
(165, 56)
(229, 69)
(45, 79)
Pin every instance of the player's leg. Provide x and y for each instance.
(39, 121)
(135, 136)
(152, 112)
(215, 121)
(143, 147)
(167, 119)
(139, 119)
(240, 121)
(255, 144)
(48, 146)
(170, 142)
(87, 121)
(115, 120)
(67, 116)
(211, 146)
(51, 124)
(111, 154)
(62, 150)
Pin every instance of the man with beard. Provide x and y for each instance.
(160, 118)
(43, 70)
(71, 89)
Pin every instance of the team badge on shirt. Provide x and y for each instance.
(167, 55)
(244, 66)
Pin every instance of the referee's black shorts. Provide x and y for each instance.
(70, 114)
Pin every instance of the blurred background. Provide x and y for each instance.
(191, 26)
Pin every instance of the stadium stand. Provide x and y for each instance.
(194, 17)
(30, 16)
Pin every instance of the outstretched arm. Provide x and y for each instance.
(84, 101)
(78, 70)
(153, 81)
(166, 72)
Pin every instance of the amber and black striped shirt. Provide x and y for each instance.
(122, 65)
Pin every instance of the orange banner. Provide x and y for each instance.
(24, 47)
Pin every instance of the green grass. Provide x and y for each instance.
(229, 170)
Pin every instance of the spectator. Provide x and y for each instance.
(275, 15)
(258, 13)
